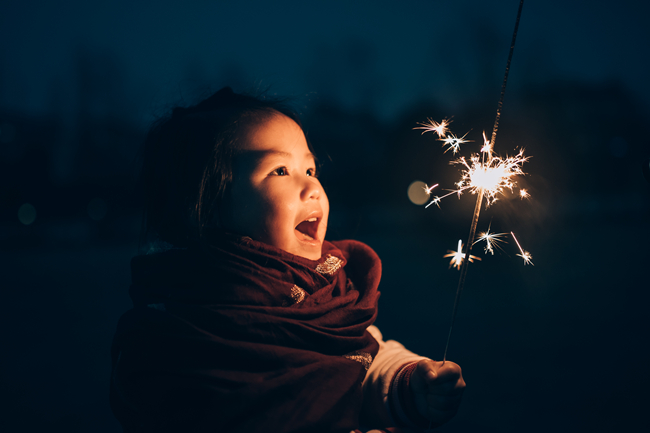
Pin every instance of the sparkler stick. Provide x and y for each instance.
(479, 198)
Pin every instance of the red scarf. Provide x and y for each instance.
(244, 337)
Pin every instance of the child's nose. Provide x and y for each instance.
(311, 189)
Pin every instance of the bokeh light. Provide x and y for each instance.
(27, 214)
(417, 193)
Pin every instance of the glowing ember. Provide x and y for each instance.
(454, 142)
(487, 146)
(428, 189)
(457, 257)
(524, 254)
(442, 129)
(491, 240)
(432, 126)
(523, 193)
(435, 200)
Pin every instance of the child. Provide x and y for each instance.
(248, 320)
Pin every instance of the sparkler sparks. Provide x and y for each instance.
(435, 200)
(493, 176)
(491, 240)
(524, 254)
(432, 126)
(454, 142)
(523, 194)
(487, 146)
(428, 189)
(457, 257)
(484, 176)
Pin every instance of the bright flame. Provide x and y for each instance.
(432, 126)
(524, 254)
(493, 176)
(457, 257)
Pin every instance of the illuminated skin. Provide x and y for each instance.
(275, 196)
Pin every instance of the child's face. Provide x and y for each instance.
(275, 197)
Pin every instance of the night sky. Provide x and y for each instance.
(558, 346)
(399, 52)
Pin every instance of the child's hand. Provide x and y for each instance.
(437, 390)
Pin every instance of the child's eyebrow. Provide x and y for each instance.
(257, 155)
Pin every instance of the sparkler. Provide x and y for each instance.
(484, 175)
(432, 126)
(457, 257)
(454, 142)
(491, 240)
(492, 177)
(524, 254)
(428, 189)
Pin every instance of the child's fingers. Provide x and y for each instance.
(448, 374)
(438, 379)
(440, 388)
(428, 369)
(439, 372)
(441, 379)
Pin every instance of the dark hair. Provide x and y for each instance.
(187, 163)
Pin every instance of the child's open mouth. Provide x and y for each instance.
(308, 229)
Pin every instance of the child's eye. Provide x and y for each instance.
(280, 171)
(311, 172)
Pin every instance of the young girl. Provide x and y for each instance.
(248, 320)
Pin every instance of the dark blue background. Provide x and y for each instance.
(561, 346)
